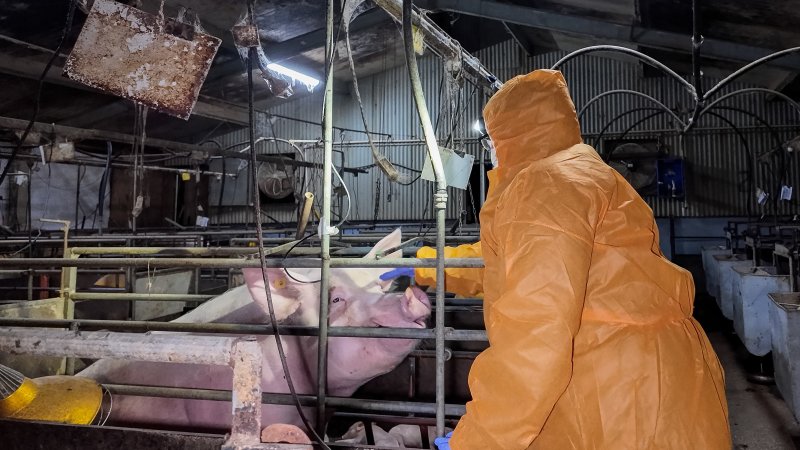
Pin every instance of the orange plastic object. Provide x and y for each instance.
(592, 341)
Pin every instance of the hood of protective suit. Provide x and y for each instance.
(531, 118)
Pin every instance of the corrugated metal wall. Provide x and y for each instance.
(716, 159)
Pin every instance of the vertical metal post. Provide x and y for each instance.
(246, 394)
(197, 280)
(69, 283)
(30, 284)
(77, 198)
(175, 203)
(671, 238)
(29, 213)
(440, 205)
(327, 136)
(130, 283)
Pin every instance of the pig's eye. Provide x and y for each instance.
(337, 300)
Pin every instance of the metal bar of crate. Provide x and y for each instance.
(450, 334)
(126, 296)
(235, 263)
(286, 399)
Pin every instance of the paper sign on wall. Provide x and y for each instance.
(786, 193)
(457, 168)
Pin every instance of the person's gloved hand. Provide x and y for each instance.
(398, 280)
(397, 273)
(443, 443)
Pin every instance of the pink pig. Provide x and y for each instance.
(356, 299)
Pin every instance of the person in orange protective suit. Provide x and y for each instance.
(592, 344)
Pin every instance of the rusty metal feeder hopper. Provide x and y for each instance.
(160, 63)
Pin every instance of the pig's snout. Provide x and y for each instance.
(416, 306)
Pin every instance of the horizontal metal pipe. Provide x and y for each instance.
(231, 328)
(44, 271)
(170, 233)
(139, 297)
(192, 251)
(58, 288)
(214, 350)
(351, 239)
(231, 263)
(99, 163)
(284, 399)
(452, 354)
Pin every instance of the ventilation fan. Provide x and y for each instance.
(638, 165)
(276, 181)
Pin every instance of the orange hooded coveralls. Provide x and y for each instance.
(592, 340)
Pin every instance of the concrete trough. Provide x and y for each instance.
(785, 325)
(724, 291)
(751, 305)
(710, 268)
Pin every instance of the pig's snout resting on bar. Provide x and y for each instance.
(357, 299)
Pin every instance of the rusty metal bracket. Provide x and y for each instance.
(246, 36)
(246, 394)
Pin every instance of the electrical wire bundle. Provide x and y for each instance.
(38, 97)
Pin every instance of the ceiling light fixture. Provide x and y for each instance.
(311, 82)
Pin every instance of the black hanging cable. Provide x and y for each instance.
(103, 183)
(285, 256)
(260, 237)
(222, 179)
(750, 170)
(36, 101)
(608, 124)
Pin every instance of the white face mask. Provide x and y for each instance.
(489, 146)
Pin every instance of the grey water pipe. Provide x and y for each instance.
(440, 205)
(327, 164)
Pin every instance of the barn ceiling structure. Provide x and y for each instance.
(203, 181)
(293, 34)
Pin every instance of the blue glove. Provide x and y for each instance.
(397, 273)
(443, 443)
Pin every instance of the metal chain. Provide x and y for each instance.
(377, 199)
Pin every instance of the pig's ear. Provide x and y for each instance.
(392, 240)
(285, 291)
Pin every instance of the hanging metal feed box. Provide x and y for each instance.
(130, 53)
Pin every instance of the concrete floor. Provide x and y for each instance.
(760, 420)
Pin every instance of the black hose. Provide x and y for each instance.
(636, 124)
(750, 170)
(260, 237)
(760, 120)
(224, 174)
(103, 183)
(616, 118)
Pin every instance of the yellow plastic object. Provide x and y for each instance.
(466, 282)
(62, 399)
(592, 341)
